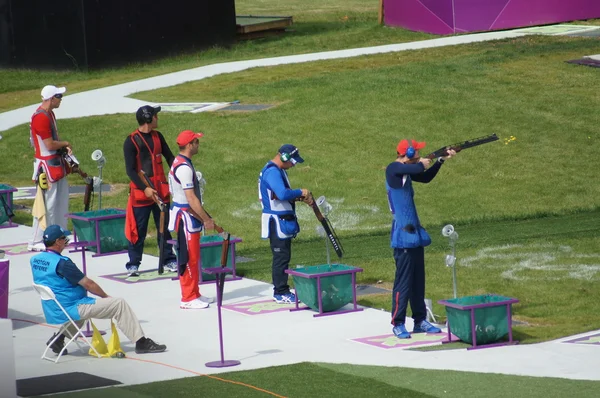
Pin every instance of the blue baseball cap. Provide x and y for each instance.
(292, 152)
(54, 232)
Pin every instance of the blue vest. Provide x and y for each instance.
(282, 211)
(270, 205)
(407, 231)
(43, 268)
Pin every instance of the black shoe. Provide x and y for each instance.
(58, 344)
(147, 346)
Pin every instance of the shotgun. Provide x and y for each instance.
(462, 145)
(329, 231)
(224, 256)
(72, 166)
(161, 227)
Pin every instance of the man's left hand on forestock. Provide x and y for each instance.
(451, 153)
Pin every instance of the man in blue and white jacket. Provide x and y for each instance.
(279, 222)
(71, 286)
(408, 237)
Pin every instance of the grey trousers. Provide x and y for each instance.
(108, 308)
(56, 198)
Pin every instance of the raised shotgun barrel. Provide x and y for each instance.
(462, 145)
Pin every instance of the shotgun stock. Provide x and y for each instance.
(72, 166)
(462, 145)
(87, 196)
(224, 256)
(161, 227)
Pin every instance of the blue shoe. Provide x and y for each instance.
(401, 332)
(426, 327)
(132, 270)
(289, 298)
(171, 266)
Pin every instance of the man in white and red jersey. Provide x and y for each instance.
(49, 169)
(188, 218)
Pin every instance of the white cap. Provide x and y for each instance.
(50, 91)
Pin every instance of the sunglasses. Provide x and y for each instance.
(59, 96)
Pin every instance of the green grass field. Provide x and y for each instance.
(527, 208)
(319, 380)
(346, 116)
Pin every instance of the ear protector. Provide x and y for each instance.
(147, 116)
(286, 157)
(410, 151)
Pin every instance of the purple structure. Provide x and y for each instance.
(4, 272)
(318, 276)
(445, 17)
(472, 308)
(202, 269)
(96, 220)
(222, 363)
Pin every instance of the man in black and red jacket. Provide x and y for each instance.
(143, 150)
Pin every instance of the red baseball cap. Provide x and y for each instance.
(187, 136)
(404, 145)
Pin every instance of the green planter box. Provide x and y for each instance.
(480, 320)
(6, 193)
(326, 288)
(106, 228)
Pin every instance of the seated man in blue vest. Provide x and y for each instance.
(409, 238)
(71, 288)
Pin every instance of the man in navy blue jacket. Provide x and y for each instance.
(279, 223)
(408, 237)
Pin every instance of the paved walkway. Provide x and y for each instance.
(257, 338)
(113, 99)
(256, 332)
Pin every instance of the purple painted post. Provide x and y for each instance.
(222, 363)
(4, 273)
(456, 16)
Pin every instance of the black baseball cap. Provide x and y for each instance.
(141, 114)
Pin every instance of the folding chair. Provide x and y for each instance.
(47, 294)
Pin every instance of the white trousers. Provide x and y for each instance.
(56, 198)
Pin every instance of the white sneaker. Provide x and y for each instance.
(193, 305)
(38, 247)
(206, 299)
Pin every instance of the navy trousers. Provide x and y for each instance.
(142, 217)
(409, 285)
(282, 254)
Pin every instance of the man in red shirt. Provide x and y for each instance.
(49, 170)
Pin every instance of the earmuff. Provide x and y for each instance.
(286, 157)
(147, 116)
(410, 151)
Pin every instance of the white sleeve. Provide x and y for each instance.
(185, 175)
